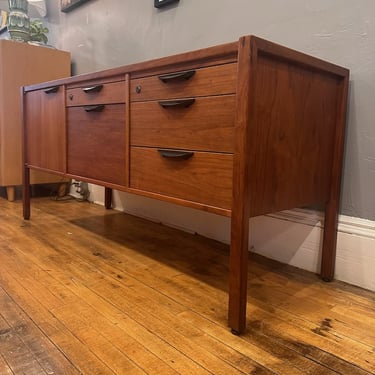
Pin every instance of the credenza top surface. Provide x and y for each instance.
(219, 54)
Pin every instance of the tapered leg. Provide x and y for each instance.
(332, 206)
(241, 195)
(26, 193)
(329, 241)
(107, 198)
(238, 268)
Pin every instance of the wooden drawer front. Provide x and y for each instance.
(96, 143)
(204, 177)
(216, 80)
(207, 124)
(102, 93)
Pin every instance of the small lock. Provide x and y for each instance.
(138, 89)
(71, 96)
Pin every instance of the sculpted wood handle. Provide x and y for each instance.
(175, 154)
(94, 108)
(51, 90)
(177, 103)
(185, 75)
(91, 89)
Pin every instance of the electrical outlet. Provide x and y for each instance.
(81, 189)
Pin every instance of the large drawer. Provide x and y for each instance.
(203, 177)
(96, 93)
(214, 80)
(96, 143)
(206, 124)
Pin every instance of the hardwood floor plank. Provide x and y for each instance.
(14, 351)
(4, 367)
(145, 300)
(194, 369)
(83, 359)
(107, 256)
(81, 330)
(315, 299)
(113, 293)
(40, 348)
(147, 320)
(362, 349)
(223, 367)
(98, 344)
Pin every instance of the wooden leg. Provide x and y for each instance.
(26, 193)
(238, 274)
(107, 198)
(332, 206)
(329, 241)
(11, 193)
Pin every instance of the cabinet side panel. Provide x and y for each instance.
(293, 131)
(45, 130)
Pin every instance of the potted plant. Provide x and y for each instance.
(38, 32)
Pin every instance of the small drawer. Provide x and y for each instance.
(200, 177)
(214, 80)
(96, 143)
(101, 93)
(205, 124)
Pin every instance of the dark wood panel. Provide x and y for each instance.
(292, 135)
(207, 124)
(96, 143)
(215, 80)
(204, 178)
(45, 130)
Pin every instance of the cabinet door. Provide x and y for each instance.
(96, 143)
(45, 129)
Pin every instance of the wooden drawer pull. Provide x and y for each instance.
(177, 103)
(185, 75)
(51, 90)
(94, 108)
(91, 89)
(175, 154)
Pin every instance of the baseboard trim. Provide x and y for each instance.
(347, 224)
(292, 237)
(297, 237)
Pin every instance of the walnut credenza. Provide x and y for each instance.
(241, 130)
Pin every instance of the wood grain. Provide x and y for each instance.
(45, 130)
(206, 125)
(93, 291)
(204, 178)
(215, 80)
(96, 143)
(293, 135)
(110, 93)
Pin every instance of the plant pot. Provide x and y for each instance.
(19, 21)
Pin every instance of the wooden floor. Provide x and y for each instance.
(89, 291)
